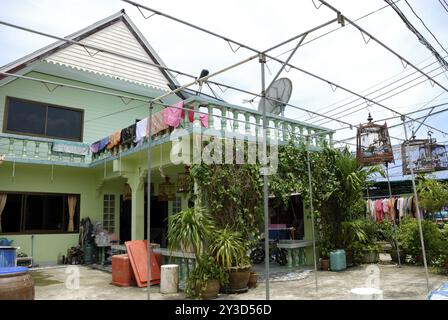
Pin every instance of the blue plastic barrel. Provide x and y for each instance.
(13, 270)
(338, 260)
(8, 257)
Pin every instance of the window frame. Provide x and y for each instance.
(22, 214)
(46, 105)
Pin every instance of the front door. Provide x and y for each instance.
(125, 220)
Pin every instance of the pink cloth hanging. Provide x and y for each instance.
(203, 118)
(173, 115)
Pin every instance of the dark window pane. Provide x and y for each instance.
(26, 117)
(54, 209)
(12, 213)
(34, 212)
(64, 123)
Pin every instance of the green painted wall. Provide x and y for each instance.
(35, 178)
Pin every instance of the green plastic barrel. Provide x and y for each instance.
(88, 253)
(338, 260)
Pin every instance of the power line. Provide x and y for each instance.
(351, 110)
(371, 87)
(445, 6)
(420, 37)
(435, 38)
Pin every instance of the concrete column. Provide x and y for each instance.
(138, 210)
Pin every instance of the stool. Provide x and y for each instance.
(169, 278)
(367, 294)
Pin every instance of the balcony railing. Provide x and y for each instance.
(40, 150)
(244, 123)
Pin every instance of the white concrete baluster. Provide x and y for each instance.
(36, 150)
(24, 143)
(11, 147)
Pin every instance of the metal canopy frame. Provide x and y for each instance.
(261, 55)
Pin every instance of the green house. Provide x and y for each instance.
(54, 106)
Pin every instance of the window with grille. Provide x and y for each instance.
(109, 213)
(177, 205)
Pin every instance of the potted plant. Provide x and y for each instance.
(190, 228)
(371, 252)
(204, 281)
(253, 279)
(325, 249)
(230, 251)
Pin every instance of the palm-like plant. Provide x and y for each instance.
(191, 228)
(229, 248)
(352, 178)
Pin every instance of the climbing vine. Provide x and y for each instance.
(234, 196)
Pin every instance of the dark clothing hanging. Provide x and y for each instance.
(128, 134)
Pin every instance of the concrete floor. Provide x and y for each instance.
(407, 282)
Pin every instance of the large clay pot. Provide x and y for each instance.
(16, 284)
(324, 264)
(238, 279)
(211, 290)
(253, 278)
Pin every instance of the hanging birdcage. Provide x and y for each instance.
(373, 144)
(416, 153)
(167, 190)
(439, 157)
(425, 155)
(184, 181)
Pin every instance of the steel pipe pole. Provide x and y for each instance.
(411, 166)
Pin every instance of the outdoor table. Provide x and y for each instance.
(296, 251)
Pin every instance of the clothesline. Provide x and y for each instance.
(391, 208)
(168, 118)
(387, 196)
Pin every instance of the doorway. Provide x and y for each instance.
(159, 221)
(125, 219)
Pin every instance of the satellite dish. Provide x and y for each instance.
(280, 90)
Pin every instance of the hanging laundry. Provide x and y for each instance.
(114, 139)
(157, 124)
(141, 129)
(173, 115)
(203, 118)
(128, 134)
(99, 146)
(71, 148)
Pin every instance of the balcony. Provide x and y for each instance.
(242, 123)
(26, 149)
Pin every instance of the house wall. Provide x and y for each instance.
(38, 178)
(96, 106)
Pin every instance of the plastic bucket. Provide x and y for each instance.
(8, 257)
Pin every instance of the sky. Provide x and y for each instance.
(342, 56)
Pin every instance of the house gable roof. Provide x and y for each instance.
(116, 33)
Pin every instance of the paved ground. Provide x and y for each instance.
(407, 282)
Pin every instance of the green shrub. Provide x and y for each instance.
(409, 237)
